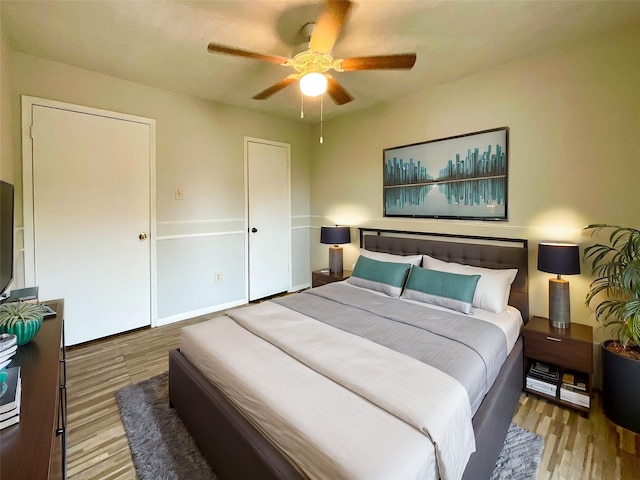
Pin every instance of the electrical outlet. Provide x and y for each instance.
(179, 195)
(218, 277)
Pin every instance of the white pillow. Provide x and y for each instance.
(389, 257)
(494, 286)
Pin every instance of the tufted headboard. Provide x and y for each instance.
(488, 252)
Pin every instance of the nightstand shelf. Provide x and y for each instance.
(568, 349)
(322, 277)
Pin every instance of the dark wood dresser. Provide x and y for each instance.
(35, 447)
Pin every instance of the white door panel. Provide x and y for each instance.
(269, 219)
(91, 201)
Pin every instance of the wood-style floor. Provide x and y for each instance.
(575, 447)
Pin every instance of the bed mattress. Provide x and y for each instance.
(342, 425)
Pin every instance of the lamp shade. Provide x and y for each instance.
(335, 235)
(559, 258)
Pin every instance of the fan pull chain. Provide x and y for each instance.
(321, 139)
(302, 106)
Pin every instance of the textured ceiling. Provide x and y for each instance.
(163, 44)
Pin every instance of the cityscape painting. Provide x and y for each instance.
(461, 177)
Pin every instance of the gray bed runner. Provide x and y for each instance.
(468, 349)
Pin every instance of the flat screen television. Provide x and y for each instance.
(6, 236)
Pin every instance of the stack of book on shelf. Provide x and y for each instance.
(543, 377)
(575, 389)
(11, 390)
(8, 348)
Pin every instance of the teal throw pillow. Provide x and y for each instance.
(385, 277)
(450, 290)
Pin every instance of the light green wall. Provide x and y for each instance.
(200, 148)
(573, 113)
(574, 150)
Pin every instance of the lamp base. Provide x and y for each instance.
(559, 303)
(335, 259)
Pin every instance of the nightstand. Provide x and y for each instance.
(567, 348)
(322, 277)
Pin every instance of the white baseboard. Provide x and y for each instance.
(196, 313)
(297, 288)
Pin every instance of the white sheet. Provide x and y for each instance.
(310, 440)
(376, 445)
(413, 391)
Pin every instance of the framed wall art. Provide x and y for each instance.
(461, 177)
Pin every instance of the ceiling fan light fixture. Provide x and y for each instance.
(313, 84)
(313, 58)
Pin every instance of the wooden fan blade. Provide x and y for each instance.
(217, 48)
(275, 88)
(382, 62)
(337, 92)
(329, 25)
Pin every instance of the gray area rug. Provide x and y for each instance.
(520, 456)
(162, 448)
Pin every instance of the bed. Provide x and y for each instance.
(239, 446)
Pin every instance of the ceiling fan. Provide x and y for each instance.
(312, 63)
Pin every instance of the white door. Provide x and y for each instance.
(91, 219)
(269, 218)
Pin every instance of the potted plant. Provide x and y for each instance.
(616, 267)
(22, 319)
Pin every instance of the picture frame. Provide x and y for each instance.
(464, 177)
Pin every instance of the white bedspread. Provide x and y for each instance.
(336, 404)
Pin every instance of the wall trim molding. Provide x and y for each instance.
(216, 234)
(197, 221)
(193, 235)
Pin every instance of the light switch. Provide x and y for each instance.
(179, 193)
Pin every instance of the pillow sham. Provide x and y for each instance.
(450, 290)
(493, 288)
(390, 257)
(385, 277)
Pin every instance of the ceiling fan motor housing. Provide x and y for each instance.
(310, 61)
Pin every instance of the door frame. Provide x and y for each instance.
(287, 147)
(29, 266)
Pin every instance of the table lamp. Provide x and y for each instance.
(561, 259)
(335, 236)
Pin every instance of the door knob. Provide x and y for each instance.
(254, 230)
(142, 236)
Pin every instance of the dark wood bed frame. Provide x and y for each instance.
(237, 450)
